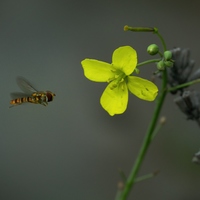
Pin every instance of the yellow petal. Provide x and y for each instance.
(125, 59)
(115, 99)
(98, 71)
(142, 88)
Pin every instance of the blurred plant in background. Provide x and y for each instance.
(174, 67)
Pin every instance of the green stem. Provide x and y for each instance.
(183, 85)
(148, 137)
(147, 176)
(147, 140)
(158, 127)
(138, 29)
(148, 62)
(161, 39)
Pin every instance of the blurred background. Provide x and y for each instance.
(73, 149)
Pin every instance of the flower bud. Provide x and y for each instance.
(163, 120)
(160, 65)
(168, 63)
(153, 49)
(167, 55)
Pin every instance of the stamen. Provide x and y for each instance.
(122, 86)
(122, 80)
(114, 85)
(116, 76)
(113, 70)
(110, 79)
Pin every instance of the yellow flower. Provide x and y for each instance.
(115, 97)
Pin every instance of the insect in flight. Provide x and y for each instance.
(30, 95)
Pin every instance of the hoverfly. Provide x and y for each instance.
(30, 95)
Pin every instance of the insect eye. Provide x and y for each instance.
(50, 96)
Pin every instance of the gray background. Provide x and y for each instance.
(72, 149)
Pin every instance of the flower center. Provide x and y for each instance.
(118, 78)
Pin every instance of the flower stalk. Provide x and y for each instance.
(183, 85)
(148, 62)
(148, 137)
(145, 145)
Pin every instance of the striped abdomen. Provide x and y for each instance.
(21, 100)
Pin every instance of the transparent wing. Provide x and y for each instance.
(16, 95)
(25, 86)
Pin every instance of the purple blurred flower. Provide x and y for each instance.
(189, 104)
(182, 68)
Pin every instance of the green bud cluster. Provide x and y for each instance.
(166, 61)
